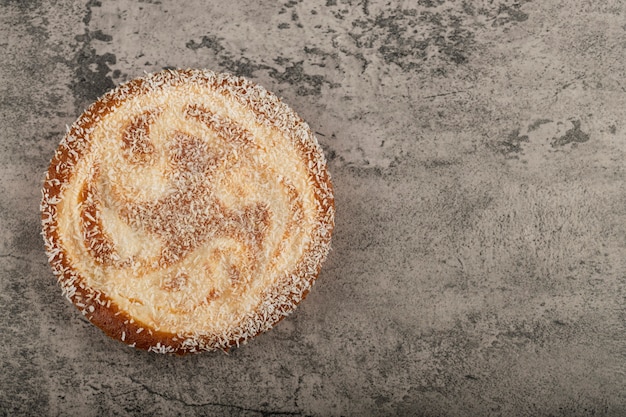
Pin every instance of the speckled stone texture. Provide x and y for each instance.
(478, 154)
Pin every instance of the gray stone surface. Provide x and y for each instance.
(477, 150)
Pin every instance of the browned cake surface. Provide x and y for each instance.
(187, 211)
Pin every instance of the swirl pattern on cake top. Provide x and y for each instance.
(187, 211)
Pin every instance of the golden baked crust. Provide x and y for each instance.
(187, 211)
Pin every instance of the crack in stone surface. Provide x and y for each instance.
(16, 257)
(263, 413)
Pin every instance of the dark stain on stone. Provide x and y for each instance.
(468, 8)
(438, 163)
(322, 55)
(25, 381)
(331, 155)
(36, 30)
(512, 144)
(283, 26)
(380, 400)
(507, 14)
(91, 70)
(28, 238)
(91, 79)
(209, 42)
(326, 144)
(296, 19)
(293, 73)
(242, 66)
(430, 3)
(366, 9)
(574, 136)
(612, 129)
(316, 51)
(537, 123)
(433, 32)
(402, 36)
(89, 5)
(23, 5)
(98, 35)
(239, 66)
(525, 334)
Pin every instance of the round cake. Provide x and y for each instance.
(187, 211)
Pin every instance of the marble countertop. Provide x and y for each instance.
(477, 152)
